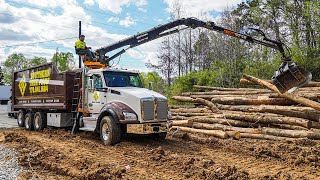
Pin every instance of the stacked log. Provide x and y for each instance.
(250, 112)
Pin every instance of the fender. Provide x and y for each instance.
(115, 110)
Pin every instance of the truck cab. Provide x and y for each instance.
(115, 103)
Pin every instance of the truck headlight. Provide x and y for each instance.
(129, 116)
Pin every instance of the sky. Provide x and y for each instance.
(41, 27)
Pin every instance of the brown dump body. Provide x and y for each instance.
(43, 87)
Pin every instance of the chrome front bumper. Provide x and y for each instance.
(147, 128)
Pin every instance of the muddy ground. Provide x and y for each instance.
(57, 154)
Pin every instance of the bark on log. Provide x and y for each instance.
(215, 133)
(262, 91)
(182, 106)
(267, 118)
(225, 128)
(291, 133)
(230, 122)
(223, 89)
(190, 114)
(207, 103)
(293, 111)
(247, 101)
(186, 123)
(191, 110)
(292, 97)
(263, 136)
(310, 84)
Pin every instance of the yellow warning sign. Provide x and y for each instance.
(96, 96)
(22, 85)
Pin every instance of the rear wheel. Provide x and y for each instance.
(21, 117)
(110, 131)
(29, 121)
(39, 121)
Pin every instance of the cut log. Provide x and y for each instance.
(247, 101)
(263, 136)
(215, 133)
(225, 128)
(223, 89)
(291, 133)
(190, 114)
(267, 118)
(262, 91)
(191, 110)
(186, 123)
(223, 121)
(310, 84)
(300, 112)
(182, 106)
(292, 97)
(234, 134)
(207, 103)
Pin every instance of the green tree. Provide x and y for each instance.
(37, 61)
(1, 77)
(158, 82)
(64, 61)
(13, 63)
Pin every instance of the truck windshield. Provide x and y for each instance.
(122, 79)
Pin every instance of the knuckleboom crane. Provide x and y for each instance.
(287, 78)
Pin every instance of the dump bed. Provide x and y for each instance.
(42, 87)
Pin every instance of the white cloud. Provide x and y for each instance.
(115, 6)
(89, 2)
(196, 7)
(127, 22)
(30, 51)
(114, 19)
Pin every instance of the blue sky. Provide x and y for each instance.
(103, 22)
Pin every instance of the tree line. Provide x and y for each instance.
(18, 61)
(204, 57)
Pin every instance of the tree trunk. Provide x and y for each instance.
(310, 84)
(291, 133)
(209, 104)
(292, 97)
(187, 123)
(215, 133)
(293, 111)
(191, 110)
(263, 136)
(267, 118)
(224, 89)
(225, 128)
(248, 101)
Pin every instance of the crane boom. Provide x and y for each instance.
(287, 78)
(167, 29)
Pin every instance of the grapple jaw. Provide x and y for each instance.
(289, 77)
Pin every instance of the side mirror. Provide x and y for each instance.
(91, 84)
(151, 85)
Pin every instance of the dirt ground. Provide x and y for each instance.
(57, 154)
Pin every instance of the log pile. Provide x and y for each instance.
(250, 112)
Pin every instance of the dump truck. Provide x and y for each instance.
(113, 102)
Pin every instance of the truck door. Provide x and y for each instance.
(96, 94)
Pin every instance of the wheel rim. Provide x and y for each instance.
(20, 118)
(105, 132)
(36, 122)
(27, 122)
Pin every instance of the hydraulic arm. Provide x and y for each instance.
(288, 76)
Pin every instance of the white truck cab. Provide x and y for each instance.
(116, 98)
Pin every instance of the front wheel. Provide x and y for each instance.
(110, 131)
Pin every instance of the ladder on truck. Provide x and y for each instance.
(75, 101)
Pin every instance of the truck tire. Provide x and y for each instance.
(29, 121)
(39, 121)
(110, 132)
(21, 117)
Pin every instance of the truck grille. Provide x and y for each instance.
(148, 111)
(162, 110)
